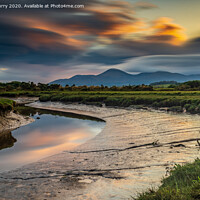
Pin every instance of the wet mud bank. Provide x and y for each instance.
(12, 121)
(132, 153)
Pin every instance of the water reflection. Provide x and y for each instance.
(6, 140)
(48, 135)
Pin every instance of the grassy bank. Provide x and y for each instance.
(182, 184)
(177, 101)
(6, 105)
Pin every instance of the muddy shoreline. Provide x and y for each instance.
(12, 121)
(131, 154)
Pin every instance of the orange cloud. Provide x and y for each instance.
(105, 22)
(168, 32)
(3, 69)
(65, 34)
(120, 17)
(124, 29)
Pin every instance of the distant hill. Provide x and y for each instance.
(118, 77)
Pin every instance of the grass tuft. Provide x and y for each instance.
(182, 184)
(6, 105)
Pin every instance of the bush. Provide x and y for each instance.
(176, 109)
(56, 97)
(45, 97)
(192, 108)
(110, 101)
(198, 108)
(186, 106)
(71, 98)
(6, 105)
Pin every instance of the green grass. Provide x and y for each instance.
(182, 184)
(161, 86)
(184, 181)
(174, 100)
(6, 105)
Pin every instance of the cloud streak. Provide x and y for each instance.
(105, 33)
(186, 64)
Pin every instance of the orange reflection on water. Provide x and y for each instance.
(37, 138)
(45, 137)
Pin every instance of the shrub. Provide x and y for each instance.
(186, 106)
(71, 99)
(6, 105)
(45, 97)
(192, 108)
(56, 97)
(176, 109)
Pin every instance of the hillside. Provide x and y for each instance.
(118, 77)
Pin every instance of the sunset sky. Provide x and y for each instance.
(42, 45)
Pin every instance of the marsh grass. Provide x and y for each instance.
(182, 184)
(176, 101)
(6, 105)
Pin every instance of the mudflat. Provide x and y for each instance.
(131, 154)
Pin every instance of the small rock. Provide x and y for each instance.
(180, 145)
(85, 181)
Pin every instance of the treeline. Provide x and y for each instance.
(30, 86)
(189, 86)
(165, 83)
(186, 86)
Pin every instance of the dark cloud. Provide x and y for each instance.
(124, 49)
(121, 50)
(55, 36)
(32, 45)
(144, 5)
(98, 57)
(104, 32)
(186, 64)
(193, 45)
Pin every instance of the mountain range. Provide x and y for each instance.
(118, 77)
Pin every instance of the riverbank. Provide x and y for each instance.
(131, 154)
(176, 101)
(10, 120)
(183, 183)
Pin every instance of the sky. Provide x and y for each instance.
(42, 45)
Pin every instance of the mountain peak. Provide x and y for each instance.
(113, 72)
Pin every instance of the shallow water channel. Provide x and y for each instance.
(51, 133)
